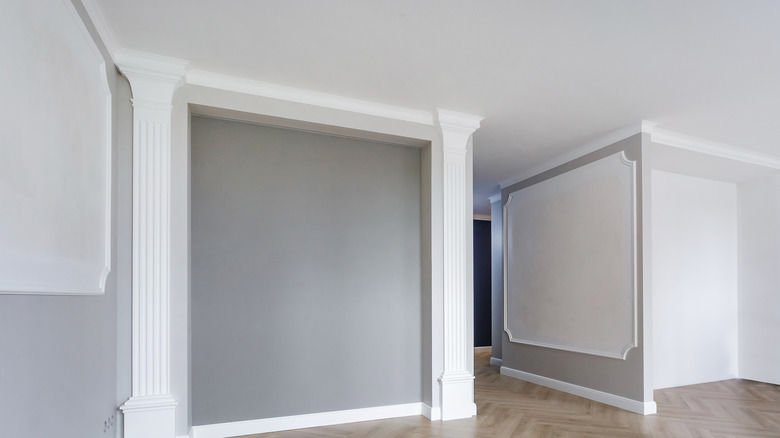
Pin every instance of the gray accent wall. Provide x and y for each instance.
(58, 354)
(306, 272)
(625, 378)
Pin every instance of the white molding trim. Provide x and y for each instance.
(722, 150)
(308, 97)
(643, 408)
(482, 217)
(634, 342)
(642, 127)
(495, 198)
(433, 414)
(150, 411)
(496, 361)
(457, 378)
(487, 349)
(104, 29)
(239, 428)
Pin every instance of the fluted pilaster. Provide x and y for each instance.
(457, 379)
(150, 411)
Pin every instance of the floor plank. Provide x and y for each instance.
(509, 407)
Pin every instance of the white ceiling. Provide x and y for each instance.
(548, 76)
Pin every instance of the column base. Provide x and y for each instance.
(150, 417)
(457, 395)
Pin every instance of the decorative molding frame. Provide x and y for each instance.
(641, 127)
(634, 342)
(57, 288)
(150, 411)
(290, 94)
(643, 408)
(277, 424)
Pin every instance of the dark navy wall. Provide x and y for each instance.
(482, 284)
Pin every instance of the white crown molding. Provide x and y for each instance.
(495, 198)
(636, 406)
(104, 29)
(722, 150)
(250, 427)
(642, 127)
(308, 97)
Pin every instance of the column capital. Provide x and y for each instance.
(153, 78)
(456, 128)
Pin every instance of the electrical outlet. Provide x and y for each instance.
(109, 423)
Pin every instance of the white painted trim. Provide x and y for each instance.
(102, 26)
(265, 425)
(496, 361)
(457, 378)
(722, 150)
(644, 408)
(290, 94)
(482, 217)
(433, 414)
(487, 349)
(495, 198)
(621, 134)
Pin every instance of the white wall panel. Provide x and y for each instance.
(54, 152)
(694, 280)
(570, 260)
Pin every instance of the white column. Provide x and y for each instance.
(150, 411)
(457, 378)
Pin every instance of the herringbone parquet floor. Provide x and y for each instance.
(512, 408)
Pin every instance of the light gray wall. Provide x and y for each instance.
(306, 272)
(58, 354)
(759, 275)
(615, 376)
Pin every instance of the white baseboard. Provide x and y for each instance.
(495, 361)
(433, 414)
(487, 349)
(265, 425)
(644, 408)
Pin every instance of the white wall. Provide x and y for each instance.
(759, 294)
(694, 278)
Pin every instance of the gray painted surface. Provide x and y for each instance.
(620, 377)
(306, 283)
(58, 354)
(497, 277)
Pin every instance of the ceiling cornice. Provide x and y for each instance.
(290, 94)
(722, 150)
(104, 29)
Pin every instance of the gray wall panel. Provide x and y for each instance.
(306, 279)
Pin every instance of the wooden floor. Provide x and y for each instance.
(512, 408)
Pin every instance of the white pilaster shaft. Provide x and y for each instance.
(457, 379)
(150, 411)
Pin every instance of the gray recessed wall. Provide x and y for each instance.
(306, 272)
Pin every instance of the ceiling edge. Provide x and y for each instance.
(298, 95)
(722, 150)
(628, 131)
